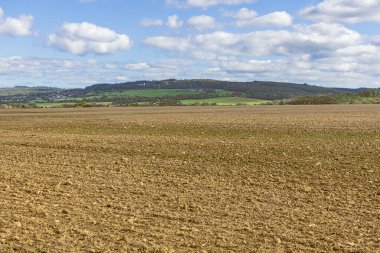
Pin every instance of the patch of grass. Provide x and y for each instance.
(70, 98)
(52, 105)
(60, 105)
(226, 101)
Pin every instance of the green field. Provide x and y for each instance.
(60, 105)
(149, 93)
(77, 99)
(226, 101)
(52, 105)
(221, 98)
(25, 90)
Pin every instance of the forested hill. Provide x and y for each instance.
(369, 96)
(255, 89)
(179, 92)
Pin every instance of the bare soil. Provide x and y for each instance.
(190, 179)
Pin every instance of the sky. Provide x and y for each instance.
(76, 43)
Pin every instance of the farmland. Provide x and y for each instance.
(178, 92)
(150, 93)
(226, 101)
(190, 179)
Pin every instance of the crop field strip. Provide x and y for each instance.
(190, 179)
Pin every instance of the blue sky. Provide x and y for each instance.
(75, 43)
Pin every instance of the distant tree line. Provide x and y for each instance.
(256, 89)
(265, 90)
(368, 96)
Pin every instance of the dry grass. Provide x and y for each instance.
(190, 179)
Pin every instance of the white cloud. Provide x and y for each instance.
(345, 11)
(250, 66)
(207, 3)
(137, 66)
(18, 70)
(320, 38)
(314, 39)
(20, 26)
(337, 70)
(202, 22)
(86, 1)
(84, 38)
(16, 64)
(169, 43)
(352, 66)
(67, 73)
(162, 69)
(327, 54)
(147, 22)
(247, 17)
(376, 40)
(174, 22)
(278, 18)
(243, 13)
(122, 78)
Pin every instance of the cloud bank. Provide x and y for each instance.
(85, 38)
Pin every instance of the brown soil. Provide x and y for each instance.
(190, 179)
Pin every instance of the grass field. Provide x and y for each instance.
(60, 105)
(24, 90)
(157, 93)
(226, 101)
(52, 105)
(190, 179)
(77, 99)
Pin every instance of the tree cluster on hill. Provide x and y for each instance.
(256, 89)
(205, 88)
(368, 96)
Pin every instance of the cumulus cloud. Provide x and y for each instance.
(278, 18)
(322, 37)
(169, 43)
(354, 66)
(16, 70)
(147, 22)
(162, 69)
(16, 64)
(67, 73)
(338, 70)
(376, 40)
(202, 22)
(247, 17)
(207, 3)
(313, 39)
(84, 38)
(174, 22)
(243, 13)
(345, 11)
(20, 26)
(137, 66)
(252, 67)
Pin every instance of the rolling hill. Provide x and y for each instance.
(256, 89)
(168, 92)
(369, 96)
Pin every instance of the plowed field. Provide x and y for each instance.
(190, 179)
